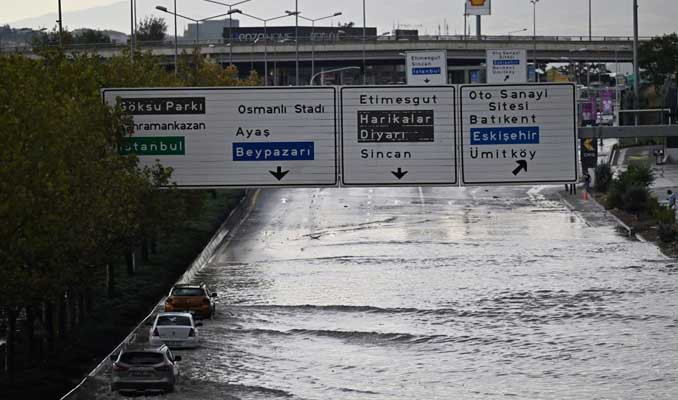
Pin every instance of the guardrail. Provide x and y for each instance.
(188, 43)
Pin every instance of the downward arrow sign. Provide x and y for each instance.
(279, 173)
(399, 174)
(522, 165)
(427, 80)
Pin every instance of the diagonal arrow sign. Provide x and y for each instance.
(522, 165)
(279, 173)
(400, 173)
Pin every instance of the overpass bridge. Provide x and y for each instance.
(384, 55)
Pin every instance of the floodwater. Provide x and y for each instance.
(432, 293)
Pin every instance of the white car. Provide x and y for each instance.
(176, 330)
(144, 369)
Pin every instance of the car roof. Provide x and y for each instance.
(189, 285)
(175, 314)
(143, 348)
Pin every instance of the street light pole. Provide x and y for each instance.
(61, 29)
(590, 37)
(176, 45)
(364, 44)
(296, 40)
(230, 25)
(519, 30)
(329, 71)
(197, 21)
(131, 28)
(265, 21)
(636, 67)
(534, 36)
(313, 21)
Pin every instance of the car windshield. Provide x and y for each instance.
(141, 358)
(182, 292)
(173, 320)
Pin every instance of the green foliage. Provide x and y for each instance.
(68, 201)
(151, 29)
(666, 227)
(659, 57)
(91, 36)
(630, 191)
(603, 178)
(51, 38)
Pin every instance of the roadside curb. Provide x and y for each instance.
(630, 231)
(234, 220)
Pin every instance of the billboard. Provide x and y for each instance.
(287, 33)
(478, 7)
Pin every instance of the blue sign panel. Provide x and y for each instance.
(494, 136)
(426, 71)
(506, 62)
(274, 151)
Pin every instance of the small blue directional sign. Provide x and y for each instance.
(427, 68)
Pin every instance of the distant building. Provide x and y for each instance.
(210, 30)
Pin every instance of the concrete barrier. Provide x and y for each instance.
(3, 357)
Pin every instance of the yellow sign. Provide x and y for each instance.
(478, 7)
(588, 144)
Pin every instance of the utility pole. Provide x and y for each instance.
(590, 37)
(132, 33)
(478, 27)
(364, 44)
(61, 29)
(636, 67)
(176, 46)
(296, 37)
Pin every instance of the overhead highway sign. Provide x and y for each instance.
(518, 134)
(234, 137)
(398, 136)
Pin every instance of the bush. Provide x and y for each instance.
(641, 175)
(603, 176)
(635, 199)
(666, 227)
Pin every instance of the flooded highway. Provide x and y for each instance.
(432, 293)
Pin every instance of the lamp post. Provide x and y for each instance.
(230, 24)
(295, 13)
(61, 29)
(636, 67)
(534, 35)
(265, 21)
(313, 21)
(364, 44)
(329, 71)
(519, 30)
(590, 37)
(197, 21)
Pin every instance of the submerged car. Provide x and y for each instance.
(144, 369)
(191, 298)
(176, 330)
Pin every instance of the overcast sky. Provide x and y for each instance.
(554, 17)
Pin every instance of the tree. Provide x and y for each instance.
(659, 58)
(91, 36)
(152, 29)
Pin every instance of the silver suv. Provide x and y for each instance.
(144, 369)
